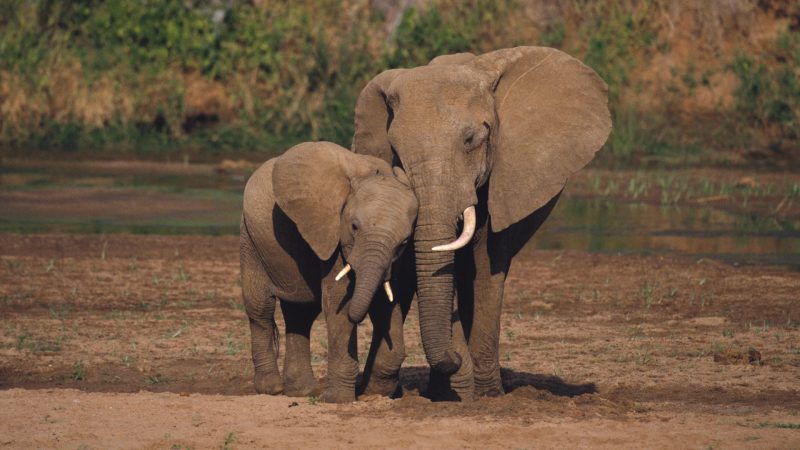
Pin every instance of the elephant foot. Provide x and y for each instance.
(489, 391)
(338, 396)
(268, 383)
(444, 388)
(302, 387)
(489, 384)
(387, 387)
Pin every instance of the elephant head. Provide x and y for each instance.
(521, 119)
(336, 197)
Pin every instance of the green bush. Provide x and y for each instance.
(157, 76)
(769, 94)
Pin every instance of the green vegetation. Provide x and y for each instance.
(78, 371)
(768, 96)
(157, 379)
(27, 341)
(786, 425)
(173, 78)
(230, 438)
(232, 346)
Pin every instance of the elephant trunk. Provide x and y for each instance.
(435, 270)
(369, 276)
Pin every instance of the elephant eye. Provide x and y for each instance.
(470, 140)
(354, 227)
(473, 139)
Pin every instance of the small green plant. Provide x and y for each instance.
(313, 400)
(647, 292)
(179, 331)
(230, 438)
(182, 274)
(233, 347)
(26, 341)
(236, 304)
(60, 312)
(157, 379)
(636, 332)
(728, 333)
(644, 356)
(12, 265)
(78, 371)
(180, 447)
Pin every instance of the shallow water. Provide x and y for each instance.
(71, 200)
(600, 225)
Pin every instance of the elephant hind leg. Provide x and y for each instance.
(263, 338)
(260, 307)
(298, 378)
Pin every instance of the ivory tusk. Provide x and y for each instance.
(343, 272)
(388, 288)
(466, 233)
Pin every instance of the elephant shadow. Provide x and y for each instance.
(416, 379)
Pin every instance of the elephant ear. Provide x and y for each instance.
(372, 117)
(311, 182)
(553, 117)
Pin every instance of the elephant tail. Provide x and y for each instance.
(276, 335)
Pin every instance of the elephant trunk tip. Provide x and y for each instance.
(449, 364)
(356, 315)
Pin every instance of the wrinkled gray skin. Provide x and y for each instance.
(307, 213)
(501, 132)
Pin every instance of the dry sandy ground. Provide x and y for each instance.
(126, 341)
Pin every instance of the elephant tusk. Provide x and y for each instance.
(466, 233)
(343, 272)
(388, 288)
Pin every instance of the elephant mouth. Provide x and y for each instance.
(387, 285)
(366, 286)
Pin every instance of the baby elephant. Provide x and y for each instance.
(310, 215)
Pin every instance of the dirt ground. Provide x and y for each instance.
(124, 341)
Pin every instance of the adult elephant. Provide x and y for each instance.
(491, 139)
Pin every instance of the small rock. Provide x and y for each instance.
(746, 182)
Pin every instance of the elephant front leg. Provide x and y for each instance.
(487, 303)
(387, 351)
(460, 386)
(342, 344)
(484, 341)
